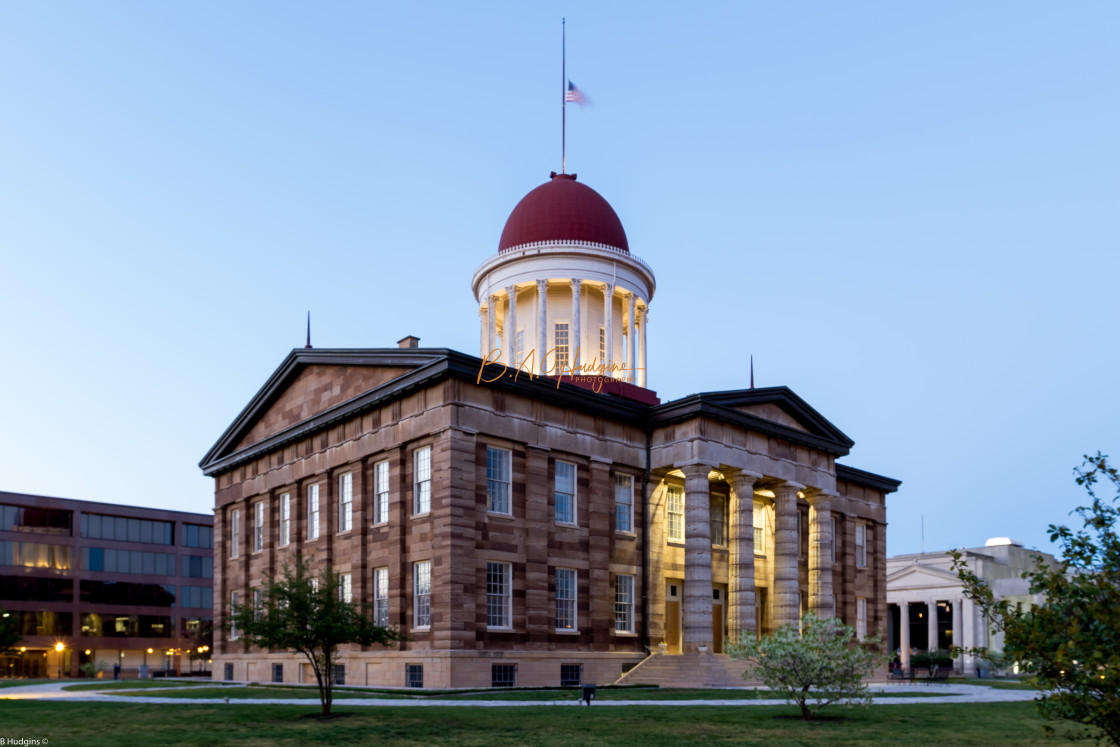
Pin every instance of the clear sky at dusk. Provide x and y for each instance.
(909, 213)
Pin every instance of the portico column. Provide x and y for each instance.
(821, 599)
(482, 332)
(509, 339)
(787, 594)
(608, 323)
(904, 633)
(958, 621)
(492, 322)
(740, 572)
(632, 343)
(542, 324)
(697, 558)
(642, 354)
(931, 627)
(576, 315)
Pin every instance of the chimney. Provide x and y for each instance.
(408, 342)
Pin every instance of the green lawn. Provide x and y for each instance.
(21, 683)
(243, 693)
(124, 724)
(133, 684)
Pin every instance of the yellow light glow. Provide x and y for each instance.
(59, 646)
(88, 652)
(149, 651)
(22, 649)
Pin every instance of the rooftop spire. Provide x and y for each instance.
(308, 345)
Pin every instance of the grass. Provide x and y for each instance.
(21, 683)
(133, 685)
(245, 693)
(996, 684)
(124, 724)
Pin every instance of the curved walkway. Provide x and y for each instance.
(947, 693)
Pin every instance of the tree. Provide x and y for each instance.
(305, 613)
(1069, 645)
(819, 665)
(9, 630)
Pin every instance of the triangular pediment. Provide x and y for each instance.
(310, 383)
(779, 405)
(770, 411)
(918, 576)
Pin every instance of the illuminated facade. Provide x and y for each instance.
(534, 530)
(104, 584)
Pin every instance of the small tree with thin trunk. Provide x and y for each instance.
(305, 613)
(813, 667)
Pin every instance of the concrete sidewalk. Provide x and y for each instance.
(947, 693)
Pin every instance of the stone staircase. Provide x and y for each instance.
(687, 671)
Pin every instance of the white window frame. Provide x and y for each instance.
(313, 512)
(381, 492)
(285, 534)
(258, 602)
(861, 618)
(602, 345)
(499, 481)
(624, 603)
(345, 588)
(674, 508)
(345, 502)
(724, 503)
(861, 545)
(422, 481)
(760, 512)
(499, 595)
(234, 634)
(561, 354)
(567, 600)
(624, 503)
(258, 526)
(381, 596)
(235, 533)
(562, 498)
(422, 595)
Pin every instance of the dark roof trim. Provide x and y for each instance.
(832, 441)
(866, 479)
(786, 399)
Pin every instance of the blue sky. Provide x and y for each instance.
(908, 213)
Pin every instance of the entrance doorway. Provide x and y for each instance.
(674, 591)
(719, 618)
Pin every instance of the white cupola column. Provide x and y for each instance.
(642, 355)
(576, 337)
(509, 339)
(608, 323)
(492, 323)
(542, 324)
(482, 331)
(632, 343)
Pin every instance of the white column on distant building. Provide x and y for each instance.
(492, 322)
(968, 634)
(608, 323)
(958, 621)
(482, 332)
(697, 558)
(632, 342)
(577, 336)
(510, 338)
(931, 626)
(542, 325)
(643, 320)
(787, 593)
(904, 633)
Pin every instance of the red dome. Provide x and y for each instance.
(563, 210)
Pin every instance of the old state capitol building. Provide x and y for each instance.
(524, 530)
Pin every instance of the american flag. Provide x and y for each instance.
(575, 95)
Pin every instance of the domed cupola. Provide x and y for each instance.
(564, 294)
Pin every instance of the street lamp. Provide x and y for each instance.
(58, 648)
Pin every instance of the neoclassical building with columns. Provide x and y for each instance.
(536, 515)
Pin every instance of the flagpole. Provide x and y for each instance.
(563, 96)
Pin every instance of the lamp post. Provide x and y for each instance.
(58, 649)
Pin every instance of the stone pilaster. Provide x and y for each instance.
(577, 337)
(787, 594)
(697, 558)
(740, 572)
(539, 611)
(542, 325)
(821, 599)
